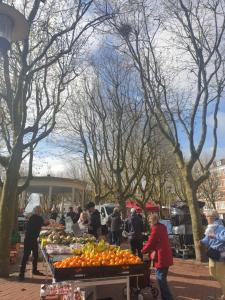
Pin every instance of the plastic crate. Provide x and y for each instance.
(97, 271)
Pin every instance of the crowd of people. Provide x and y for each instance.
(157, 245)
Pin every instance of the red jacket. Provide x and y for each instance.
(158, 241)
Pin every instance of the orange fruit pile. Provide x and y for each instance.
(107, 258)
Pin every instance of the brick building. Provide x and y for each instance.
(219, 168)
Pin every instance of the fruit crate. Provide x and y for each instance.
(61, 274)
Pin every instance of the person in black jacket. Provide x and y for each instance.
(95, 220)
(135, 228)
(114, 222)
(71, 213)
(33, 229)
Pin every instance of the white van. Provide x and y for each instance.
(105, 211)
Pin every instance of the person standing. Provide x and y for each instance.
(214, 240)
(160, 252)
(134, 227)
(54, 214)
(71, 213)
(83, 222)
(95, 220)
(114, 222)
(33, 229)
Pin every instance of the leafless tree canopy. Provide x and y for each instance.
(35, 77)
(177, 48)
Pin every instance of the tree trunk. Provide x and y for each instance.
(8, 206)
(196, 220)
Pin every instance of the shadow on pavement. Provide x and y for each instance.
(193, 291)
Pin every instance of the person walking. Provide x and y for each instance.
(214, 240)
(33, 229)
(115, 222)
(134, 227)
(160, 252)
(95, 220)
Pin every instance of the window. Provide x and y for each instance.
(220, 205)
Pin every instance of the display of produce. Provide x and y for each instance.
(54, 226)
(58, 249)
(93, 248)
(61, 237)
(105, 258)
(61, 291)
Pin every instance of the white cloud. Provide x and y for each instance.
(220, 153)
(49, 165)
(221, 124)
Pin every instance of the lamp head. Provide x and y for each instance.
(13, 27)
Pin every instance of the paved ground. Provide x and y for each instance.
(188, 280)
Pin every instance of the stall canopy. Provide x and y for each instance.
(150, 206)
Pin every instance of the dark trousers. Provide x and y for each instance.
(161, 276)
(136, 246)
(29, 245)
(116, 238)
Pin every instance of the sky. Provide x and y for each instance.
(51, 159)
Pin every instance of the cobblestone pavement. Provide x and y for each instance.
(188, 281)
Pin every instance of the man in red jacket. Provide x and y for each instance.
(161, 254)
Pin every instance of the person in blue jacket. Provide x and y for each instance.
(214, 240)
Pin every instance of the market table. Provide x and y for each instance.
(97, 275)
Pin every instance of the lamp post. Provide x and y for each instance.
(13, 27)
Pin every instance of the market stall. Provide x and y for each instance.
(84, 262)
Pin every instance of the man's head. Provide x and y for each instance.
(211, 216)
(116, 210)
(71, 208)
(37, 210)
(91, 206)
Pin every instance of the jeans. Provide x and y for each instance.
(29, 245)
(161, 276)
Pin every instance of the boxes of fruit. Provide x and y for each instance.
(98, 271)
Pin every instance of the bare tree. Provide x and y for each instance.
(208, 191)
(114, 130)
(178, 53)
(35, 83)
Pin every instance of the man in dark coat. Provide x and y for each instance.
(33, 229)
(95, 220)
(71, 213)
(114, 222)
(135, 228)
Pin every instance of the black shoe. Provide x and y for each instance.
(38, 273)
(21, 277)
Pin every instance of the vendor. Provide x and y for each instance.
(33, 229)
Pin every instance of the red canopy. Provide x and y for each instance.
(150, 206)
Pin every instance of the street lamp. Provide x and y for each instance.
(13, 27)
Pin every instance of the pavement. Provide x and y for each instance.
(188, 280)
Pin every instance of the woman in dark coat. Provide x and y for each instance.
(160, 252)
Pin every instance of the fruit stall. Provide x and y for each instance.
(86, 262)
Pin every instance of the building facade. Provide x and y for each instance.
(218, 168)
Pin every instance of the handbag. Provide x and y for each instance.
(212, 253)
